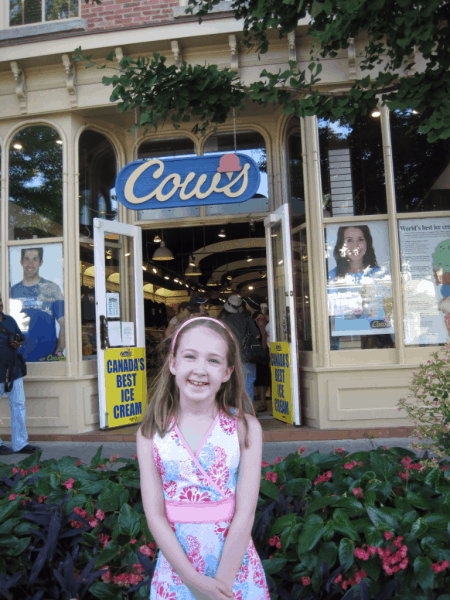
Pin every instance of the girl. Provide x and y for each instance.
(200, 464)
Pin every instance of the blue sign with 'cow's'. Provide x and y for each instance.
(195, 181)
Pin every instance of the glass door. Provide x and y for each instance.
(282, 318)
(119, 323)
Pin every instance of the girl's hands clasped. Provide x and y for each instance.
(213, 589)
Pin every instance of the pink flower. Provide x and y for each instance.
(360, 463)
(385, 447)
(265, 463)
(35, 469)
(23, 472)
(445, 468)
(277, 460)
(339, 450)
(93, 523)
(145, 550)
(69, 484)
(132, 541)
(338, 578)
(78, 463)
(350, 465)
(100, 515)
(398, 542)
(12, 497)
(387, 535)
(133, 456)
(302, 449)
(306, 581)
(15, 470)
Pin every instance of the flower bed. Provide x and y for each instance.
(371, 525)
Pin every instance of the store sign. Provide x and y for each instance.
(125, 383)
(280, 365)
(194, 181)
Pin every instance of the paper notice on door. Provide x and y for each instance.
(112, 306)
(114, 334)
(128, 334)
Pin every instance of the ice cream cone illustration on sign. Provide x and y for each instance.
(229, 164)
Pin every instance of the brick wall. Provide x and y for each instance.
(127, 13)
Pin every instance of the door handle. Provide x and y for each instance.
(103, 332)
(288, 324)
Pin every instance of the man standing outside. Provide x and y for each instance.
(43, 302)
(10, 366)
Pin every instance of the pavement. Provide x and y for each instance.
(271, 450)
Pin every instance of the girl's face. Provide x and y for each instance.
(200, 366)
(355, 244)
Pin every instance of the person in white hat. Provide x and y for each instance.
(233, 316)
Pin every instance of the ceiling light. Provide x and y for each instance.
(212, 281)
(280, 262)
(145, 268)
(156, 239)
(376, 113)
(60, 142)
(128, 254)
(193, 271)
(186, 284)
(274, 234)
(154, 270)
(163, 253)
(249, 258)
(250, 287)
(166, 277)
(18, 146)
(229, 277)
(222, 233)
(191, 261)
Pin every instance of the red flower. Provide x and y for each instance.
(306, 581)
(387, 535)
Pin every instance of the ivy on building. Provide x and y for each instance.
(405, 62)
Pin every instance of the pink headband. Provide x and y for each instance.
(197, 319)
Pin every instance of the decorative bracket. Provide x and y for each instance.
(234, 53)
(119, 54)
(21, 86)
(292, 48)
(71, 81)
(351, 59)
(176, 51)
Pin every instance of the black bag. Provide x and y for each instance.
(17, 356)
(252, 351)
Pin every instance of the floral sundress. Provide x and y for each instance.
(191, 483)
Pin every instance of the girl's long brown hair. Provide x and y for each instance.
(164, 400)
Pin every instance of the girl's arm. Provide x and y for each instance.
(247, 492)
(154, 508)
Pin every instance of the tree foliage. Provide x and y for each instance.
(406, 57)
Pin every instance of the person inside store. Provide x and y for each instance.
(263, 375)
(233, 315)
(354, 255)
(11, 378)
(182, 313)
(198, 306)
(43, 302)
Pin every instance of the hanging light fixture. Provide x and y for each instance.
(191, 261)
(193, 271)
(156, 239)
(212, 281)
(163, 253)
(222, 233)
(376, 113)
(249, 258)
(230, 277)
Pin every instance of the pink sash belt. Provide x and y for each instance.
(200, 512)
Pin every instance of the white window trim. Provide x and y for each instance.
(4, 17)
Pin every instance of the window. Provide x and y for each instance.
(252, 144)
(177, 146)
(27, 12)
(352, 165)
(35, 184)
(421, 169)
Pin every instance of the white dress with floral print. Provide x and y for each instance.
(199, 478)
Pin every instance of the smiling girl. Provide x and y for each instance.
(200, 463)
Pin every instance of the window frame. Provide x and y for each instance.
(5, 16)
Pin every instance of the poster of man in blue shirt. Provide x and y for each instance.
(41, 308)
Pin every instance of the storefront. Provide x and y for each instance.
(368, 234)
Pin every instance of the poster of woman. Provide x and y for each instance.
(359, 278)
(37, 300)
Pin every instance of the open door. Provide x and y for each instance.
(283, 333)
(120, 329)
